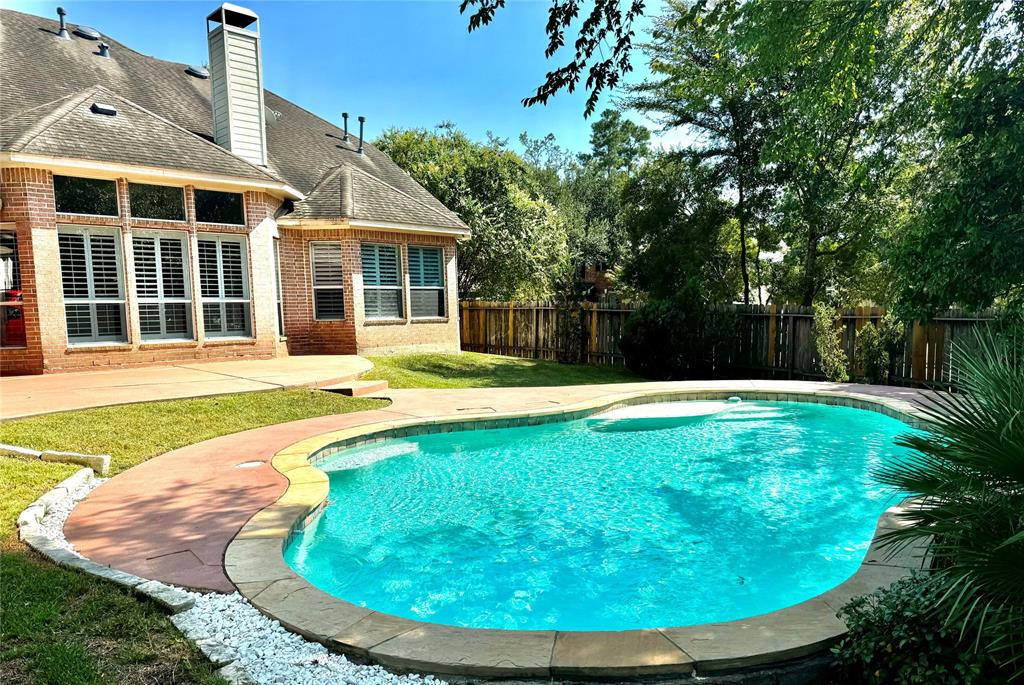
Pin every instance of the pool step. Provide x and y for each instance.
(357, 388)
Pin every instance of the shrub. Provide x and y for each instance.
(828, 339)
(897, 638)
(675, 338)
(966, 471)
(876, 343)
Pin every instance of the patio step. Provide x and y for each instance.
(357, 388)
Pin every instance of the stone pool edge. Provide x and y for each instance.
(255, 563)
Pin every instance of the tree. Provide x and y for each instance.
(679, 228)
(608, 25)
(698, 82)
(518, 240)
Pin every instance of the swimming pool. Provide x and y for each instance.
(604, 524)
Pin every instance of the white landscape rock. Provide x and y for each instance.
(251, 648)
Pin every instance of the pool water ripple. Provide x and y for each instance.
(567, 526)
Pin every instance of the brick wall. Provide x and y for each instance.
(355, 334)
(28, 203)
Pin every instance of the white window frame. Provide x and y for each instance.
(221, 300)
(87, 232)
(312, 278)
(14, 305)
(160, 299)
(440, 288)
(400, 287)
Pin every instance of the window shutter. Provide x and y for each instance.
(371, 272)
(103, 250)
(144, 250)
(209, 278)
(425, 267)
(172, 267)
(73, 270)
(387, 258)
(231, 260)
(327, 264)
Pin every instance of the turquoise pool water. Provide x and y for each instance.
(572, 526)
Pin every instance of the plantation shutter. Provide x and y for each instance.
(328, 281)
(426, 280)
(382, 290)
(224, 286)
(91, 281)
(161, 283)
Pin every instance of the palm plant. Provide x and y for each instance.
(966, 474)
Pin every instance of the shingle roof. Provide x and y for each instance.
(40, 75)
(70, 128)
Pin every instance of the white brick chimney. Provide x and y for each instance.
(236, 82)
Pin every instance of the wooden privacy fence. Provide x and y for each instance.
(771, 341)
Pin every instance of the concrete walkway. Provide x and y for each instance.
(172, 517)
(27, 395)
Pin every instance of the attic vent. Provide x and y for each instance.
(87, 32)
(198, 72)
(101, 108)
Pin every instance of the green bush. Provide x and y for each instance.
(828, 340)
(676, 338)
(876, 343)
(897, 638)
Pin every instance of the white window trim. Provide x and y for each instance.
(245, 208)
(92, 300)
(400, 287)
(312, 278)
(440, 288)
(220, 300)
(184, 203)
(160, 299)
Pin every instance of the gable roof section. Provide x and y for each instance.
(133, 135)
(38, 72)
(349, 192)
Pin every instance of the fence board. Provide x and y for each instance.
(771, 341)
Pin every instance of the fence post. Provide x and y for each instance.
(593, 332)
(509, 349)
(464, 323)
(771, 339)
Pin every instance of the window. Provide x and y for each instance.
(328, 284)
(157, 202)
(162, 286)
(382, 289)
(85, 195)
(224, 284)
(277, 286)
(90, 268)
(214, 207)
(12, 311)
(426, 281)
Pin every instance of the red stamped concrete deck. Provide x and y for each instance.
(172, 517)
(28, 395)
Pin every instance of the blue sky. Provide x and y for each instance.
(401, 64)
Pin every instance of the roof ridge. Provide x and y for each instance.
(402, 192)
(200, 138)
(32, 109)
(54, 116)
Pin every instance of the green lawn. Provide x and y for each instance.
(59, 626)
(474, 370)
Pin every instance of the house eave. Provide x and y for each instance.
(396, 226)
(144, 173)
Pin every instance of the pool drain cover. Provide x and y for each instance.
(249, 465)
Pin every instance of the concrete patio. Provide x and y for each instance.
(28, 395)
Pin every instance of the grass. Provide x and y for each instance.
(474, 370)
(61, 626)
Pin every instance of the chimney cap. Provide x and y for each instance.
(233, 15)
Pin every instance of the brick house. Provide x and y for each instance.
(155, 212)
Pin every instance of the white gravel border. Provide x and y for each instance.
(247, 647)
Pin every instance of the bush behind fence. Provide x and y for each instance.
(770, 342)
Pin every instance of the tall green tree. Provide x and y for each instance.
(518, 239)
(698, 82)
